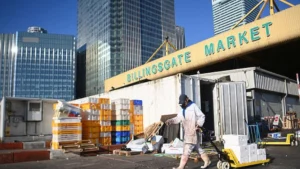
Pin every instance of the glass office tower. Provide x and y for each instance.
(226, 13)
(44, 66)
(121, 35)
(7, 54)
(180, 38)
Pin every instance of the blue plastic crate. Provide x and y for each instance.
(125, 134)
(120, 139)
(138, 102)
(120, 133)
(116, 133)
(116, 143)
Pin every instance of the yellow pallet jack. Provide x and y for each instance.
(227, 158)
(289, 141)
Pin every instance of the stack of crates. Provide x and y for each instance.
(105, 122)
(137, 126)
(90, 120)
(120, 121)
(66, 130)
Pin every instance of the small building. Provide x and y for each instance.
(26, 119)
(268, 93)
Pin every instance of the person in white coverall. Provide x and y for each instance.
(192, 118)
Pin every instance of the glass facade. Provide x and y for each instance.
(121, 35)
(7, 54)
(226, 13)
(44, 66)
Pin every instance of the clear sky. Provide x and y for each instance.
(59, 16)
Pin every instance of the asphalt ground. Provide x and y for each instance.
(282, 157)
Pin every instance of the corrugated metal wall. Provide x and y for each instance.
(255, 78)
(235, 75)
(268, 104)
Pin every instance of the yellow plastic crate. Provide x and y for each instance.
(105, 113)
(120, 128)
(104, 118)
(138, 118)
(138, 131)
(90, 123)
(90, 135)
(103, 100)
(58, 132)
(66, 124)
(90, 106)
(54, 106)
(138, 123)
(138, 127)
(105, 141)
(106, 128)
(92, 129)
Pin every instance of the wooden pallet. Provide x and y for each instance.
(126, 153)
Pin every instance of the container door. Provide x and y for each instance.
(232, 108)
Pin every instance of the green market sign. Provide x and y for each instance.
(240, 39)
(222, 45)
(160, 67)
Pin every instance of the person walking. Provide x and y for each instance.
(192, 118)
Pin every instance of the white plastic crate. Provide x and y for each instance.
(105, 134)
(91, 117)
(67, 128)
(121, 101)
(105, 106)
(138, 112)
(117, 106)
(89, 100)
(105, 123)
(67, 120)
(66, 137)
(120, 112)
(120, 117)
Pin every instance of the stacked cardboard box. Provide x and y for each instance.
(105, 122)
(138, 120)
(66, 125)
(120, 121)
(90, 120)
(244, 152)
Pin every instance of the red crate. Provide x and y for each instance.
(6, 158)
(11, 146)
(26, 156)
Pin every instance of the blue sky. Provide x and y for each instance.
(59, 16)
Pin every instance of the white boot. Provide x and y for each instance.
(206, 160)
